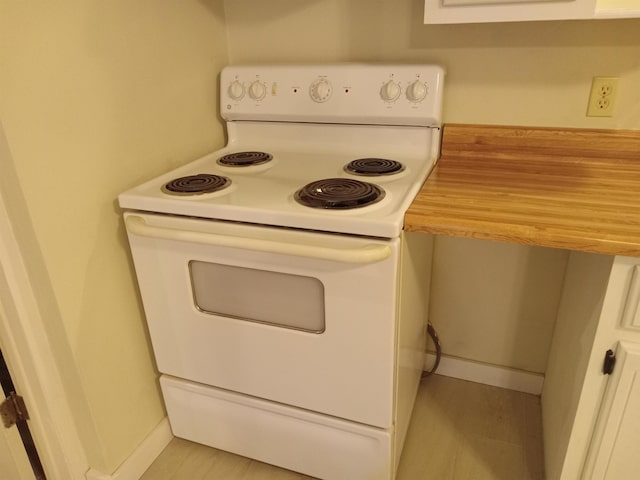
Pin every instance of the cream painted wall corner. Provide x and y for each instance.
(142, 458)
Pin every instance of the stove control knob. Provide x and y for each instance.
(417, 91)
(257, 90)
(236, 90)
(390, 91)
(320, 90)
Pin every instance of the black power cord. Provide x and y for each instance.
(434, 336)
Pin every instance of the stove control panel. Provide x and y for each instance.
(337, 93)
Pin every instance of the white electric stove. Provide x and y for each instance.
(286, 306)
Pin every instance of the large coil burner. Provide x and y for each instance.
(339, 194)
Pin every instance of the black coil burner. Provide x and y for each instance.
(245, 159)
(196, 184)
(374, 166)
(339, 194)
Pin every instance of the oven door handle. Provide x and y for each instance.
(370, 253)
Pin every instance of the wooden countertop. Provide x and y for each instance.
(576, 189)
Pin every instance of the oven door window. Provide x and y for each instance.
(274, 298)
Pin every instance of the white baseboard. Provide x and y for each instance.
(487, 374)
(142, 457)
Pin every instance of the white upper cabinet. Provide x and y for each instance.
(483, 11)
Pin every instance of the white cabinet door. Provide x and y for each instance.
(614, 450)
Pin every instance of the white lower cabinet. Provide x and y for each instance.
(614, 446)
(591, 419)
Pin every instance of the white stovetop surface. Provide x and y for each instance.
(302, 153)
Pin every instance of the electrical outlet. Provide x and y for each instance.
(602, 98)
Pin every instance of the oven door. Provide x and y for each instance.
(297, 317)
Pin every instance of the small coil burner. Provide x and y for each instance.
(245, 159)
(196, 184)
(373, 166)
(339, 194)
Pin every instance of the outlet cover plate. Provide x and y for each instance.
(602, 99)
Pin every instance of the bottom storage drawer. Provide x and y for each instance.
(318, 445)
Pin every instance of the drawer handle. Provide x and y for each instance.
(371, 253)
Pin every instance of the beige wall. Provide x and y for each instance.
(492, 302)
(94, 98)
(496, 303)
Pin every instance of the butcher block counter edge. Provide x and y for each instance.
(569, 188)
